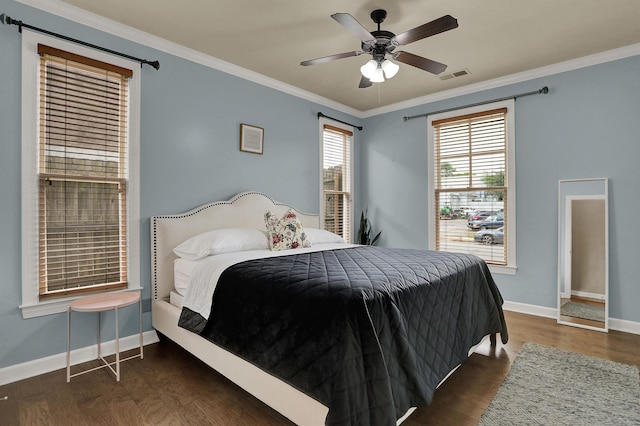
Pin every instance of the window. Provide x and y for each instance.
(336, 179)
(80, 146)
(472, 188)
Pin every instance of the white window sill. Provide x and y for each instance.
(53, 306)
(503, 270)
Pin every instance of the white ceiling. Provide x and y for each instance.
(495, 38)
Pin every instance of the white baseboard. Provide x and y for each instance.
(624, 325)
(524, 308)
(39, 366)
(33, 368)
(541, 311)
(594, 296)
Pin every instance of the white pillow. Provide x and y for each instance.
(321, 236)
(222, 241)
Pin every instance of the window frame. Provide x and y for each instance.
(328, 122)
(32, 305)
(510, 268)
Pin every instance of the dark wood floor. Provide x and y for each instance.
(172, 387)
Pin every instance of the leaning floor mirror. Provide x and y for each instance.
(583, 253)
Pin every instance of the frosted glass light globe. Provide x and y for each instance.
(390, 69)
(378, 76)
(369, 68)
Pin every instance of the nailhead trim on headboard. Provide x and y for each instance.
(154, 225)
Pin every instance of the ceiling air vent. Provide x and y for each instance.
(454, 74)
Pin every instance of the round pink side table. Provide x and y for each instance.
(101, 303)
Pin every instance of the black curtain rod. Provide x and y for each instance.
(544, 90)
(7, 20)
(339, 121)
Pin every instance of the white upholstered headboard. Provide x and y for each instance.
(244, 210)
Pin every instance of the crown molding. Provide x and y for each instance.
(81, 16)
(586, 61)
(73, 13)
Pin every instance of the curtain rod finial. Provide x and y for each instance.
(544, 90)
(20, 24)
(7, 20)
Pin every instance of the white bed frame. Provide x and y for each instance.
(167, 231)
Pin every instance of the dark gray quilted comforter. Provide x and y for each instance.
(367, 331)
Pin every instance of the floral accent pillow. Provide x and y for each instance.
(285, 233)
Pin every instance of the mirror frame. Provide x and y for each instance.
(562, 198)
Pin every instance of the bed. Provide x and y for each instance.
(351, 366)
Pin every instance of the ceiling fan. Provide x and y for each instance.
(379, 43)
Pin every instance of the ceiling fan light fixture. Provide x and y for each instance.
(390, 68)
(377, 77)
(369, 69)
(381, 43)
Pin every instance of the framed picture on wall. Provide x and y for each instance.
(251, 138)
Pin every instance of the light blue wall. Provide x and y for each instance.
(587, 126)
(190, 119)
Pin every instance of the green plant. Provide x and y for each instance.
(364, 231)
(495, 179)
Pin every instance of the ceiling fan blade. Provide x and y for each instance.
(364, 83)
(419, 62)
(351, 24)
(330, 58)
(437, 26)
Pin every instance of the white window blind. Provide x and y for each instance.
(83, 174)
(336, 180)
(471, 175)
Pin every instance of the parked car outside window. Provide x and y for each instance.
(480, 214)
(487, 222)
(490, 236)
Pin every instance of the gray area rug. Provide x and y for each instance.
(581, 310)
(548, 386)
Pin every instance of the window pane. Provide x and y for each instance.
(470, 189)
(336, 181)
(83, 174)
(334, 213)
(83, 238)
(472, 222)
(83, 116)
